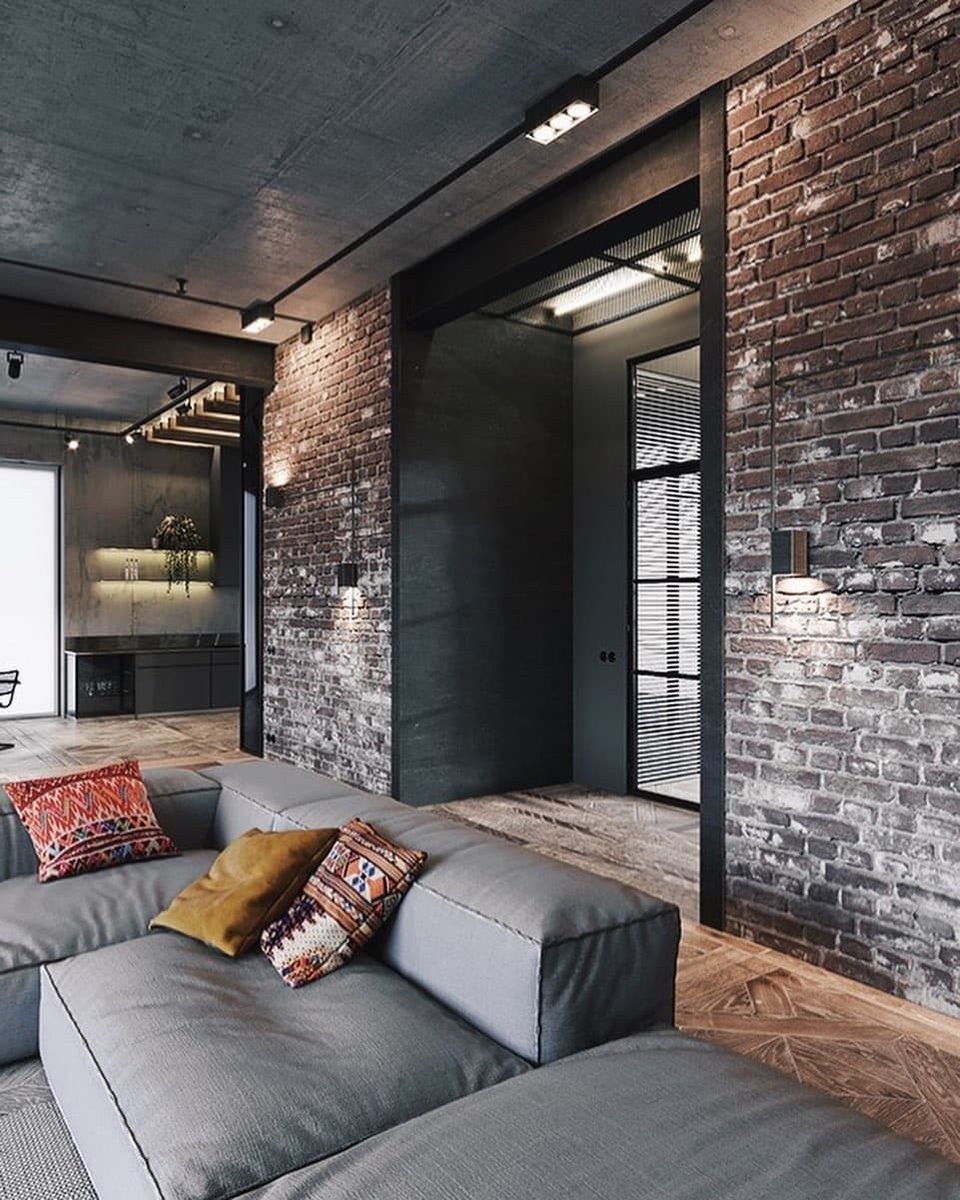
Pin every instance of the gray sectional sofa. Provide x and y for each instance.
(508, 1035)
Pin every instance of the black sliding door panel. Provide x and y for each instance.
(666, 582)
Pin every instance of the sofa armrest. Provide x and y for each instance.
(543, 957)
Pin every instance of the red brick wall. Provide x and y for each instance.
(843, 720)
(327, 661)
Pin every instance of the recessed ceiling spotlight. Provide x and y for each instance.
(14, 364)
(71, 441)
(257, 317)
(277, 23)
(728, 32)
(562, 110)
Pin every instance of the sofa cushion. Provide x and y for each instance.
(344, 902)
(195, 1076)
(655, 1117)
(249, 885)
(41, 923)
(89, 820)
(257, 793)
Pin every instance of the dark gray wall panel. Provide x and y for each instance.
(600, 513)
(482, 691)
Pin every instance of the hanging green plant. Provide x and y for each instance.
(179, 539)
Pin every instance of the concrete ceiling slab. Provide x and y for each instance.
(239, 145)
(58, 387)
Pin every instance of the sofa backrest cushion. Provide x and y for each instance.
(541, 956)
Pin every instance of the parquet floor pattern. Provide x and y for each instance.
(893, 1060)
(58, 745)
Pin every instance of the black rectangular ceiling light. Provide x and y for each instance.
(348, 575)
(257, 317)
(558, 113)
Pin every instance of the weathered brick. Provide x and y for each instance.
(857, 263)
(326, 664)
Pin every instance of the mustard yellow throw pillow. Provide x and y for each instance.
(254, 881)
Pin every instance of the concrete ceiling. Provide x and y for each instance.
(240, 144)
(51, 388)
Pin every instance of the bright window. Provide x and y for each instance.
(30, 587)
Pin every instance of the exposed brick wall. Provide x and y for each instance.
(327, 661)
(843, 720)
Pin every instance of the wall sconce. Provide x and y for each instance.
(274, 496)
(789, 548)
(348, 575)
(790, 563)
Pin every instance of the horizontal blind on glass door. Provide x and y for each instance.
(666, 610)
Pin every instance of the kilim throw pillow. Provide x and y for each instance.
(344, 902)
(90, 820)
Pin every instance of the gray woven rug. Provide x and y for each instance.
(37, 1158)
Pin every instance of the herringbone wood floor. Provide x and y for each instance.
(58, 745)
(893, 1060)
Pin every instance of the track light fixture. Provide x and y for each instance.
(257, 317)
(14, 364)
(184, 409)
(182, 385)
(562, 110)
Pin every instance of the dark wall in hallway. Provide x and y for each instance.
(843, 823)
(483, 467)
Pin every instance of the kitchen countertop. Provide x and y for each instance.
(152, 643)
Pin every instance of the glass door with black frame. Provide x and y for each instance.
(665, 610)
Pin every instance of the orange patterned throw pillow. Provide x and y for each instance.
(344, 902)
(94, 819)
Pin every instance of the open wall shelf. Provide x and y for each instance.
(106, 565)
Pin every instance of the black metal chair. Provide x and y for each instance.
(9, 682)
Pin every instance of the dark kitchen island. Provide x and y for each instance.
(111, 676)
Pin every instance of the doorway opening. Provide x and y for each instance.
(122, 494)
(547, 451)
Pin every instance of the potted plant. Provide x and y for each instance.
(178, 537)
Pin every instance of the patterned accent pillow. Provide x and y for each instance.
(344, 902)
(94, 819)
